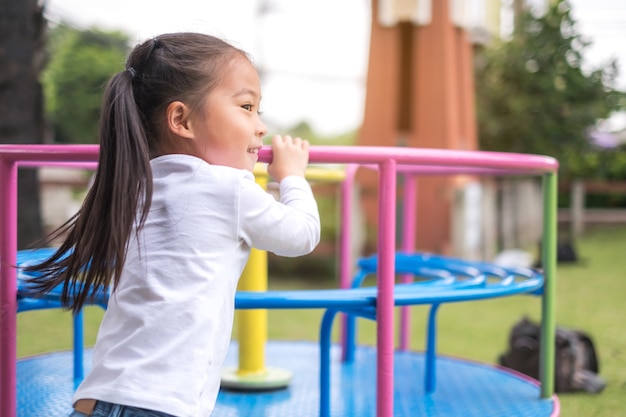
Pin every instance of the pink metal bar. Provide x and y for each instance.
(10, 157)
(438, 170)
(8, 288)
(510, 162)
(409, 220)
(345, 249)
(385, 299)
(41, 153)
(345, 243)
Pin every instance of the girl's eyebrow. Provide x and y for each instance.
(245, 91)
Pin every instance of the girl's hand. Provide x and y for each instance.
(290, 156)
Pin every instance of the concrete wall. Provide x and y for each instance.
(62, 191)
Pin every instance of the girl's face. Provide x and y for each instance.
(229, 131)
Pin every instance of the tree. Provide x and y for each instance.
(81, 64)
(22, 37)
(534, 97)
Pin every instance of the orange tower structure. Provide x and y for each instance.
(420, 93)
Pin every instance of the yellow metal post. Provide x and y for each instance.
(252, 324)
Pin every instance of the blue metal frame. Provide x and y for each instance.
(440, 280)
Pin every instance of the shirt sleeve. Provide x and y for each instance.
(289, 227)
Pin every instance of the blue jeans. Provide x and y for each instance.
(104, 409)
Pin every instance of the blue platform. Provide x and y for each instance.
(464, 388)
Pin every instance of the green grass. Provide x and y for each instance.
(591, 297)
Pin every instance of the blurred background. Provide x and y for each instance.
(529, 76)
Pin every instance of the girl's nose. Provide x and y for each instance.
(261, 129)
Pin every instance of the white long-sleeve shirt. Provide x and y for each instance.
(167, 328)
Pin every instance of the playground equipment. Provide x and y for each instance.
(450, 280)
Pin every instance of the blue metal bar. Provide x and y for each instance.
(325, 340)
(430, 373)
(79, 373)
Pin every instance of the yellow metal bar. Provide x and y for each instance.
(326, 175)
(312, 173)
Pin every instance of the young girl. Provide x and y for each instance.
(170, 220)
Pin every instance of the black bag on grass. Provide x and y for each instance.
(576, 361)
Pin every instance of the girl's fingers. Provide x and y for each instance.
(287, 140)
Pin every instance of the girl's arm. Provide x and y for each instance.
(289, 227)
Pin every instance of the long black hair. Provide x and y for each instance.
(172, 67)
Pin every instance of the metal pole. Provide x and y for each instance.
(8, 288)
(548, 310)
(386, 281)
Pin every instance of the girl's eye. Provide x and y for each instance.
(249, 108)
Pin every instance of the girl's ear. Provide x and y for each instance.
(178, 119)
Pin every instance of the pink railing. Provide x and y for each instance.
(387, 160)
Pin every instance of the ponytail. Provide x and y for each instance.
(97, 240)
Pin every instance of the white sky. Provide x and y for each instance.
(313, 53)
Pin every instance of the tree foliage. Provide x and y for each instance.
(80, 65)
(533, 95)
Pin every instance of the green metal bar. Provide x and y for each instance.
(548, 301)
